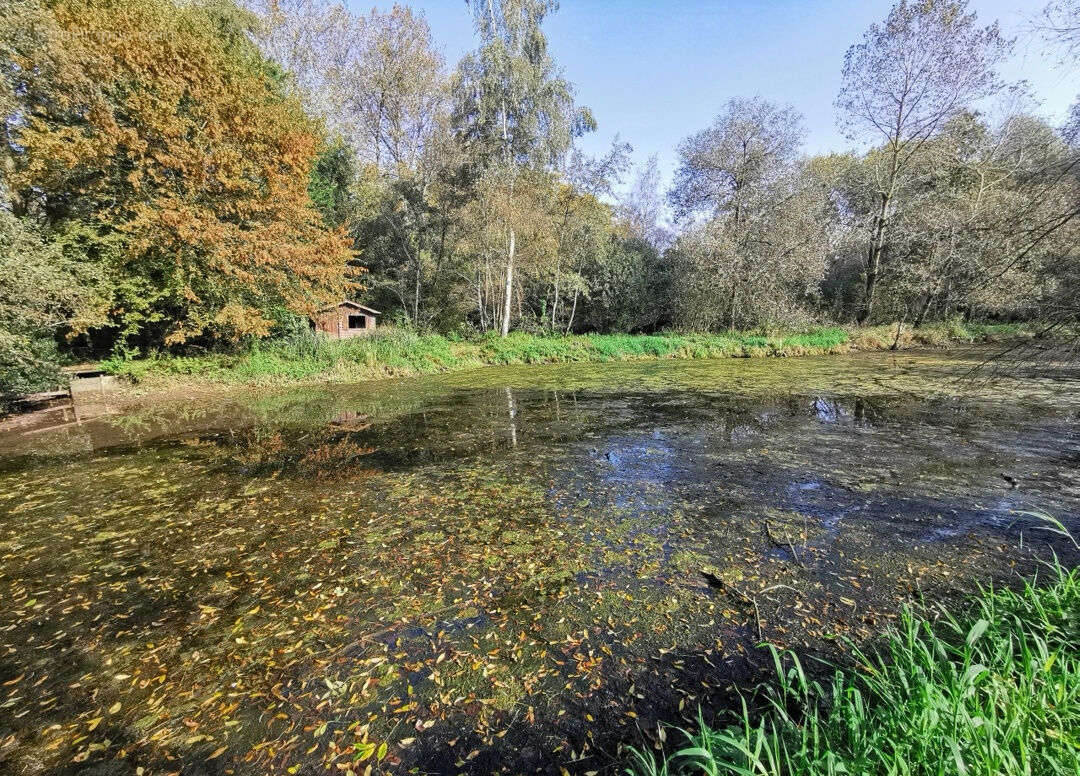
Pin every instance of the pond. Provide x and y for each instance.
(507, 570)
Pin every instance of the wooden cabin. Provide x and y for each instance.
(345, 319)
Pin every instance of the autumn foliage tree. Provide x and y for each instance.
(160, 128)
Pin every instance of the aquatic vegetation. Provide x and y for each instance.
(994, 690)
(521, 567)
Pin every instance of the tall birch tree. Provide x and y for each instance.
(514, 109)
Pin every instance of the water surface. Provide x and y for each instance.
(502, 570)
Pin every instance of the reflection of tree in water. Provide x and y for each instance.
(513, 417)
(351, 420)
(326, 453)
(333, 459)
(476, 574)
(855, 411)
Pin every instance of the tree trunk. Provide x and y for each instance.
(480, 299)
(920, 318)
(873, 261)
(573, 310)
(419, 258)
(494, 314)
(899, 330)
(555, 303)
(416, 292)
(509, 285)
(731, 306)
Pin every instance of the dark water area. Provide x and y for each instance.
(509, 570)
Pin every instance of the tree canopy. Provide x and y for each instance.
(203, 174)
(189, 183)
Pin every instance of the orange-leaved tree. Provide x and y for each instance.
(157, 126)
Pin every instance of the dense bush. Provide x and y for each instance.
(43, 291)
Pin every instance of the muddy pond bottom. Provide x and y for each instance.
(511, 570)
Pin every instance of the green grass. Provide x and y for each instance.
(994, 692)
(392, 352)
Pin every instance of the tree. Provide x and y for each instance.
(529, 212)
(927, 62)
(376, 80)
(1060, 27)
(759, 251)
(1059, 24)
(514, 111)
(627, 285)
(983, 195)
(43, 291)
(314, 44)
(333, 176)
(722, 168)
(379, 83)
(583, 223)
(200, 172)
(981, 223)
(642, 206)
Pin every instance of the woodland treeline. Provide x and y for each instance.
(192, 175)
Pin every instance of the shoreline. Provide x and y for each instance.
(394, 354)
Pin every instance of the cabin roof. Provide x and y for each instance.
(349, 303)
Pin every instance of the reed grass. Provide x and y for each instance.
(305, 356)
(993, 691)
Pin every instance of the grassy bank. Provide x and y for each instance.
(995, 691)
(397, 352)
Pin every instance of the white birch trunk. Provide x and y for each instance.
(509, 285)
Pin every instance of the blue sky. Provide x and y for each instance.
(656, 71)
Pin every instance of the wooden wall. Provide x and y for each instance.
(335, 323)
